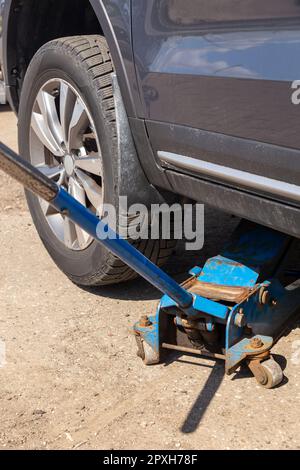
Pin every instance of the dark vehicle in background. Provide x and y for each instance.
(156, 100)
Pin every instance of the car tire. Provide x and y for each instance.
(84, 64)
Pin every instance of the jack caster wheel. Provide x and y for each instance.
(267, 373)
(146, 353)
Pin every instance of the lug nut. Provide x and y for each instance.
(256, 343)
(55, 92)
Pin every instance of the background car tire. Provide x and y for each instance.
(85, 63)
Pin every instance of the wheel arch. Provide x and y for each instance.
(26, 28)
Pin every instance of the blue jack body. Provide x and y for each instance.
(234, 307)
(239, 306)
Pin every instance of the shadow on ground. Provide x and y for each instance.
(212, 385)
(204, 399)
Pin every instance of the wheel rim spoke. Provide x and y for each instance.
(77, 191)
(67, 102)
(70, 235)
(48, 109)
(47, 209)
(90, 164)
(46, 123)
(51, 171)
(78, 125)
(41, 129)
(93, 191)
(82, 237)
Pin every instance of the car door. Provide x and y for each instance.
(215, 83)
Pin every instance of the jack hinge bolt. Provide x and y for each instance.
(256, 343)
(240, 319)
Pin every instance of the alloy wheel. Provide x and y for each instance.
(65, 147)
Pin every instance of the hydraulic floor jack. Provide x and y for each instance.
(234, 308)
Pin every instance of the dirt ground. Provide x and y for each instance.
(72, 379)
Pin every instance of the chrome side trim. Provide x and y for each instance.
(231, 175)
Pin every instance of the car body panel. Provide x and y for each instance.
(218, 71)
(221, 69)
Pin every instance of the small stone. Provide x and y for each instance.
(39, 412)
